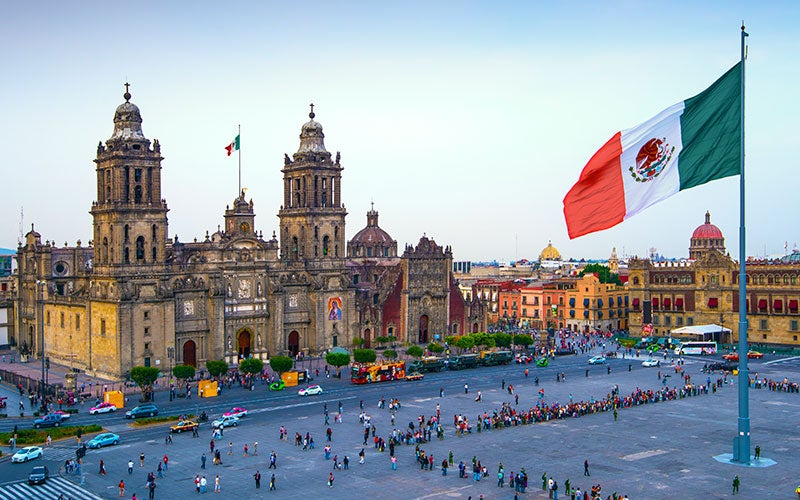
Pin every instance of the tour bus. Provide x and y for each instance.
(367, 373)
(697, 347)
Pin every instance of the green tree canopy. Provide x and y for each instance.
(183, 371)
(338, 359)
(604, 274)
(465, 342)
(390, 354)
(364, 356)
(217, 367)
(381, 339)
(435, 347)
(451, 339)
(502, 339)
(523, 339)
(358, 341)
(144, 376)
(251, 365)
(415, 351)
(280, 364)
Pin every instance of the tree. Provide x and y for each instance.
(251, 365)
(415, 351)
(603, 273)
(364, 356)
(391, 339)
(381, 340)
(502, 339)
(280, 364)
(338, 359)
(216, 368)
(358, 341)
(390, 354)
(435, 347)
(465, 342)
(144, 376)
(523, 340)
(182, 372)
(451, 339)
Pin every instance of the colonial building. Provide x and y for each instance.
(134, 296)
(705, 290)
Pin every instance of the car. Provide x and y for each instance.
(721, 365)
(49, 420)
(236, 411)
(278, 385)
(565, 351)
(148, 410)
(653, 348)
(102, 408)
(523, 358)
(731, 356)
(64, 415)
(184, 425)
(415, 376)
(542, 362)
(223, 422)
(650, 362)
(754, 355)
(38, 475)
(597, 360)
(104, 439)
(27, 453)
(311, 390)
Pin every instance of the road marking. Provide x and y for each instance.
(297, 405)
(776, 361)
(643, 454)
(450, 492)
(54, 487)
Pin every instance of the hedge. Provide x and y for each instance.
(160, 420)
(39, 436)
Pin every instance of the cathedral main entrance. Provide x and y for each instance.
(293, 343)
(190, 353)
(243, 344)
(423, 329)
(367, 339)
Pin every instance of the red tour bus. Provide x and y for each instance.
(367, 373)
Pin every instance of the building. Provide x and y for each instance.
(134, 296)
(705, 290)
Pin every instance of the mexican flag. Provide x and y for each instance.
(686, 145)
(234, 146)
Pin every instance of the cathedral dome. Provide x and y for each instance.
(707, 231)
(550, 253)
(312, 140)
(372, 241)
(127, 120)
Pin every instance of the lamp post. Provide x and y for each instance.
(40, 285)
(171, 356)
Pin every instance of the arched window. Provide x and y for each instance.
(295, 248)
(126, 235)
(325, 242)
(137, 194)
(127, 255)
(140, 248)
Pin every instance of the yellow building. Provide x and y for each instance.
(592, 305)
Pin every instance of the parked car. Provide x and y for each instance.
(597, 360)
(104, 439)
(523, 358)
(184, 425)
(236, 411)
(278, 385)
(415, 376)
(225, 422)
(148, 410)
(564, 351)
(38, 475)
(311, 390)
(27, 453)
(731, 356)
(102, 408)
(721, 365)
(650, 362)
(64, 415)
(49, 420)
(754, 355)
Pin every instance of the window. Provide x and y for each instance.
(355, 279)
(147, 331)
(390, 331)
(78, 322)
(655, 320)
(103, 327)
(62, 320)
(524, 313)
(147, 315)
(679, 321)
(375, 298)
(146, 346)
(524, 299)
(667, 320)
(762, 324)
(690, 321)
(764, 336)
(48, 318)
(374, 278)
(793, 326)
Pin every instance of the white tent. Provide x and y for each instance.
(701, 332)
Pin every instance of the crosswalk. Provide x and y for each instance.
(50, 490)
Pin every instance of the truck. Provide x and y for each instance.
(463, 361)
(427, 364)
(492, 358)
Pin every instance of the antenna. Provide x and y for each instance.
(21, 216)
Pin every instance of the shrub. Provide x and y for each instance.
(364, 355)
(414, 351)
(251, 365)
(280, 364)
(338, 359)
(159, 420)
(390, 354)
(216, 367)
(39, 436)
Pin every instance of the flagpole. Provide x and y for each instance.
(239, 149)
(741, 443)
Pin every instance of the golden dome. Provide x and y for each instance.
(550, 253)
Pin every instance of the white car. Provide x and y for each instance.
(225, 422)
(311, 390)
(236, 411)
(102, 408)
(27, 453)
(597, 360)
(651, 362)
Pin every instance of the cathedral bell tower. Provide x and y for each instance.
(130, 217)
(312, 217)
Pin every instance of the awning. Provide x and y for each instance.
(713, 302)
(778, 305)
(599, 314)
(667, 303)
(585, 314)
(572, 301)
(599, 302)
(679, 302)
(585, 302)
(762, 303)
(635, 302)
(793, 305)
(655, 303)
(611, 313)
(572, 313)
(619, 300)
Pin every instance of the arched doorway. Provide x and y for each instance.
(474, 327)
(190, 353)
(423, 329)
(293, 343)
(367, 339)
(243, 343)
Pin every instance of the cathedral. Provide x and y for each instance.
(135, 297)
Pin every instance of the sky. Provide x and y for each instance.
(464, 121)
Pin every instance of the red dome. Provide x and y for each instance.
(707, 231)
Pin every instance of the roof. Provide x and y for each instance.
(700, 329)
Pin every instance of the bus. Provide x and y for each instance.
(367, 373)
(697, 347)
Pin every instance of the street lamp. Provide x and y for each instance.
(40, 286)
(171, 356)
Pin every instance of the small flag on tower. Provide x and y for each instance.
(233, 146)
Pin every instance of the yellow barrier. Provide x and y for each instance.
(207, 388)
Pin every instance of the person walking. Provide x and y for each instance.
(758, 452)
(466, 388)
(216, 484)
(361, 456)
(330, 480)
(130, 467)
(121, 487)
(141, 459)
(273, 458)
(555, 490)
(203, 461)
(394, 462)
(441, 392)
(272, 483)
(160, 470)
(102, 468)
(257, 477)
(203, 484)
(735, 484)
(152, 490)
(586, 467)
(501, 476)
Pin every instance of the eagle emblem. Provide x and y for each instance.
(651, 159)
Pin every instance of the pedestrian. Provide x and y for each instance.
(615, 414)
(544, 481)
(121, 486)
(230, 448)
(272, 483)
(102, 468)
(255, 448)
(141, 459)
(501, 476)
(586, 467)
(211, 446)
(735, 484)
(48, 441)
(758, 452)
(346, 462)
(503, 385)
(130, 467)
(555, 490)
(216, 484)
(160, 470)
(361, 456)
(245, 449)
(394, 462)
(441, 392)
(257, 477)
(152, 491)
(329, 433)
(466, 388)
(203, 484)
(330, 480)
(166, 462)
(203, 461)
